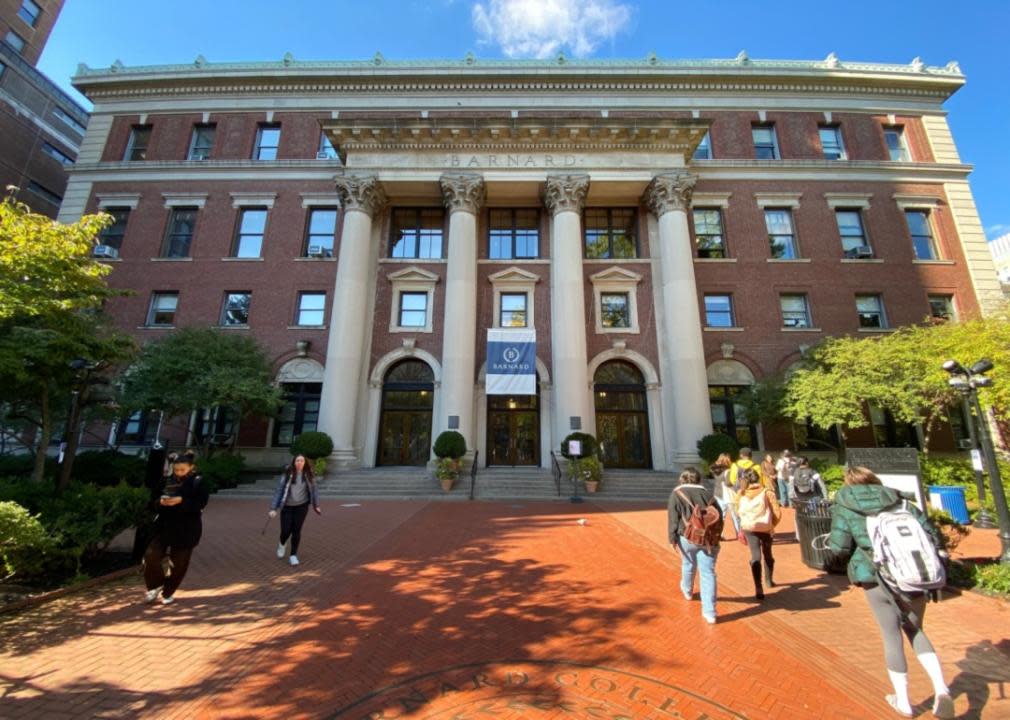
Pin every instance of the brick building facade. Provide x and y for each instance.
(671, 231)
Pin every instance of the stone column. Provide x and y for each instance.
(564, 197)
(669, 197)
(463, 196)
(361, 196)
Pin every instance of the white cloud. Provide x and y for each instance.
(998, 230)
(542, 28)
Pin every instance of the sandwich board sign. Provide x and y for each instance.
(897, 468)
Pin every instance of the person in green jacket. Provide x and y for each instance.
(863, 495)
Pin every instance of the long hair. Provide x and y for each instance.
(721, 463)
(858, 475)
(307, 474)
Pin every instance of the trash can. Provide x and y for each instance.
(813, 524)
(950, 499)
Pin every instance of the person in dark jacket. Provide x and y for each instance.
(177, 529)
(295, 491)
(690, 492)
(863, 495)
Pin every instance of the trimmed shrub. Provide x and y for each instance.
(450, 444)
(21, 465)
(831, 473)
(23, 540)
(585, 468)
(109, 467)
(712, 446)
(221, 471)
(312, 444)
(589, 444)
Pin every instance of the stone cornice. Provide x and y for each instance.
(565, 193)
(670, 191)
(464, 193)
(360, 192)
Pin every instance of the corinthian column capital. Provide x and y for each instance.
(670, 191)
(566, 192)
(462, 192)
(360, 192)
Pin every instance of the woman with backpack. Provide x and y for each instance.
(724, 493)
(759, 512)
(695, 528)
(295, 491)
(862, 501)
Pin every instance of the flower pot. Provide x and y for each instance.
(592, 486)
(447, 483)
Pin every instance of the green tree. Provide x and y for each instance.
(196, 368)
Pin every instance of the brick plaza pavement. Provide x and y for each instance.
(476, 610)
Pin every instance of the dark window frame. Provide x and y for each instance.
(514, 234)
(144, 434)
(879, 313)
(153, 311)
(309, 235)
(929, 239)
(198, 151)
(525, 312)
(138, 152)
(115, 233)
(836, 128)
(18, 42)
(851, 252)
(400, 310)
(611, 231)
(606, 314)
(242, 236)
(225, 307)
(297, 394)
(903, 151)
(259, 147)
(794, 250)
(730, 313)
(173, 236)
(416, 233)
(808, 321)
(30, 19)
(719, 252)
(726, 396)
(949, 311)
(771, 149)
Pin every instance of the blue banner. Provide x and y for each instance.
(511, 362)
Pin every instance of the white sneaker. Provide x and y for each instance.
(280, 550)
(152, 595)
(167, 600)
(710, 619)
(293, 560)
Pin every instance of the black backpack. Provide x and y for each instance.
(803, 483)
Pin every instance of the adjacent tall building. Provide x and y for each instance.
(670, 230)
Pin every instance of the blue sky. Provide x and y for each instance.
(97, 32)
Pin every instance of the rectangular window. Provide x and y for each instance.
(413, 309)
(268, 137)
(14, 40)
(417, 233)
(251, 227)
(766, 146)
(795, 311)
(781, 239)
(299, 413)
(871, 311)
(831, 142)
(513, 310)
(201, 142)
(163, 307)
(708, 233)
(321, 230)
(610, 233)
(897, 150)
(179, 237)
(67, 120)
(311, 309)
(61, 157)
(719, 311)
(850, 228)
(29, 12)
(136, 148)
(704, 149)
(114, 233)
(326, 150)
(44, 192)
(941, 307)
(236, 308)
(922, 235)
(615, 310)
(513, 234)
(138, 429)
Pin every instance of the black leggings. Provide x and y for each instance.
(892, 624)
(760, 543)
(154, 573)
(292, 519)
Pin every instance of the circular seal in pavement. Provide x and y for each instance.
(530, 689)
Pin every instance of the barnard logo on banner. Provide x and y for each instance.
(511, 362)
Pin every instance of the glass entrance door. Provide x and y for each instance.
(513, 430)
(405, 427)
(622, 418)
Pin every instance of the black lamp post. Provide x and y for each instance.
(967, 381)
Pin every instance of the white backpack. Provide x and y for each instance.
(755, 513)
(903, 552)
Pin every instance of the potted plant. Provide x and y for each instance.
(449, 447)
(587, 467)
(316, 447)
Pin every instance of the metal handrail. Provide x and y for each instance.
(556, 471)
(473, 472)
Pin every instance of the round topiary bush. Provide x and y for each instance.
(712, 446)
(312, 445)
(450, 444)
(588, 444)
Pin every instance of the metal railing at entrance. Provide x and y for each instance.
(473, 472)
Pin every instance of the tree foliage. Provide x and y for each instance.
(196, 368)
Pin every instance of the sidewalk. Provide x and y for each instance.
(475, 610)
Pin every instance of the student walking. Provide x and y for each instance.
(724, 492)
(694, 526)
(177, 529)
(295, 491)
(783, 476)
(746, 462)
(861, 498)
(807, 483)
(759, 513)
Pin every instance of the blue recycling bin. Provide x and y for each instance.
(950, 499)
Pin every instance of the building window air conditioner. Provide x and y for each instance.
(105, 251)
(862, 252)
(323, 155)
(317, 251)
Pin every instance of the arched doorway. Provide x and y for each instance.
(622, 417)
(513, 429)
(405, 421)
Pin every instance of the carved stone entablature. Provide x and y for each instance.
(464, 193)
(670, 191)
(727, 350)
(300, 370)
(360, 192)
(566, 193)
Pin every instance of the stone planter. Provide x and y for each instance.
(592, 486)
(447, 483)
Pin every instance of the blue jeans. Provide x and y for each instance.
(783, 492)
(694, 556)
